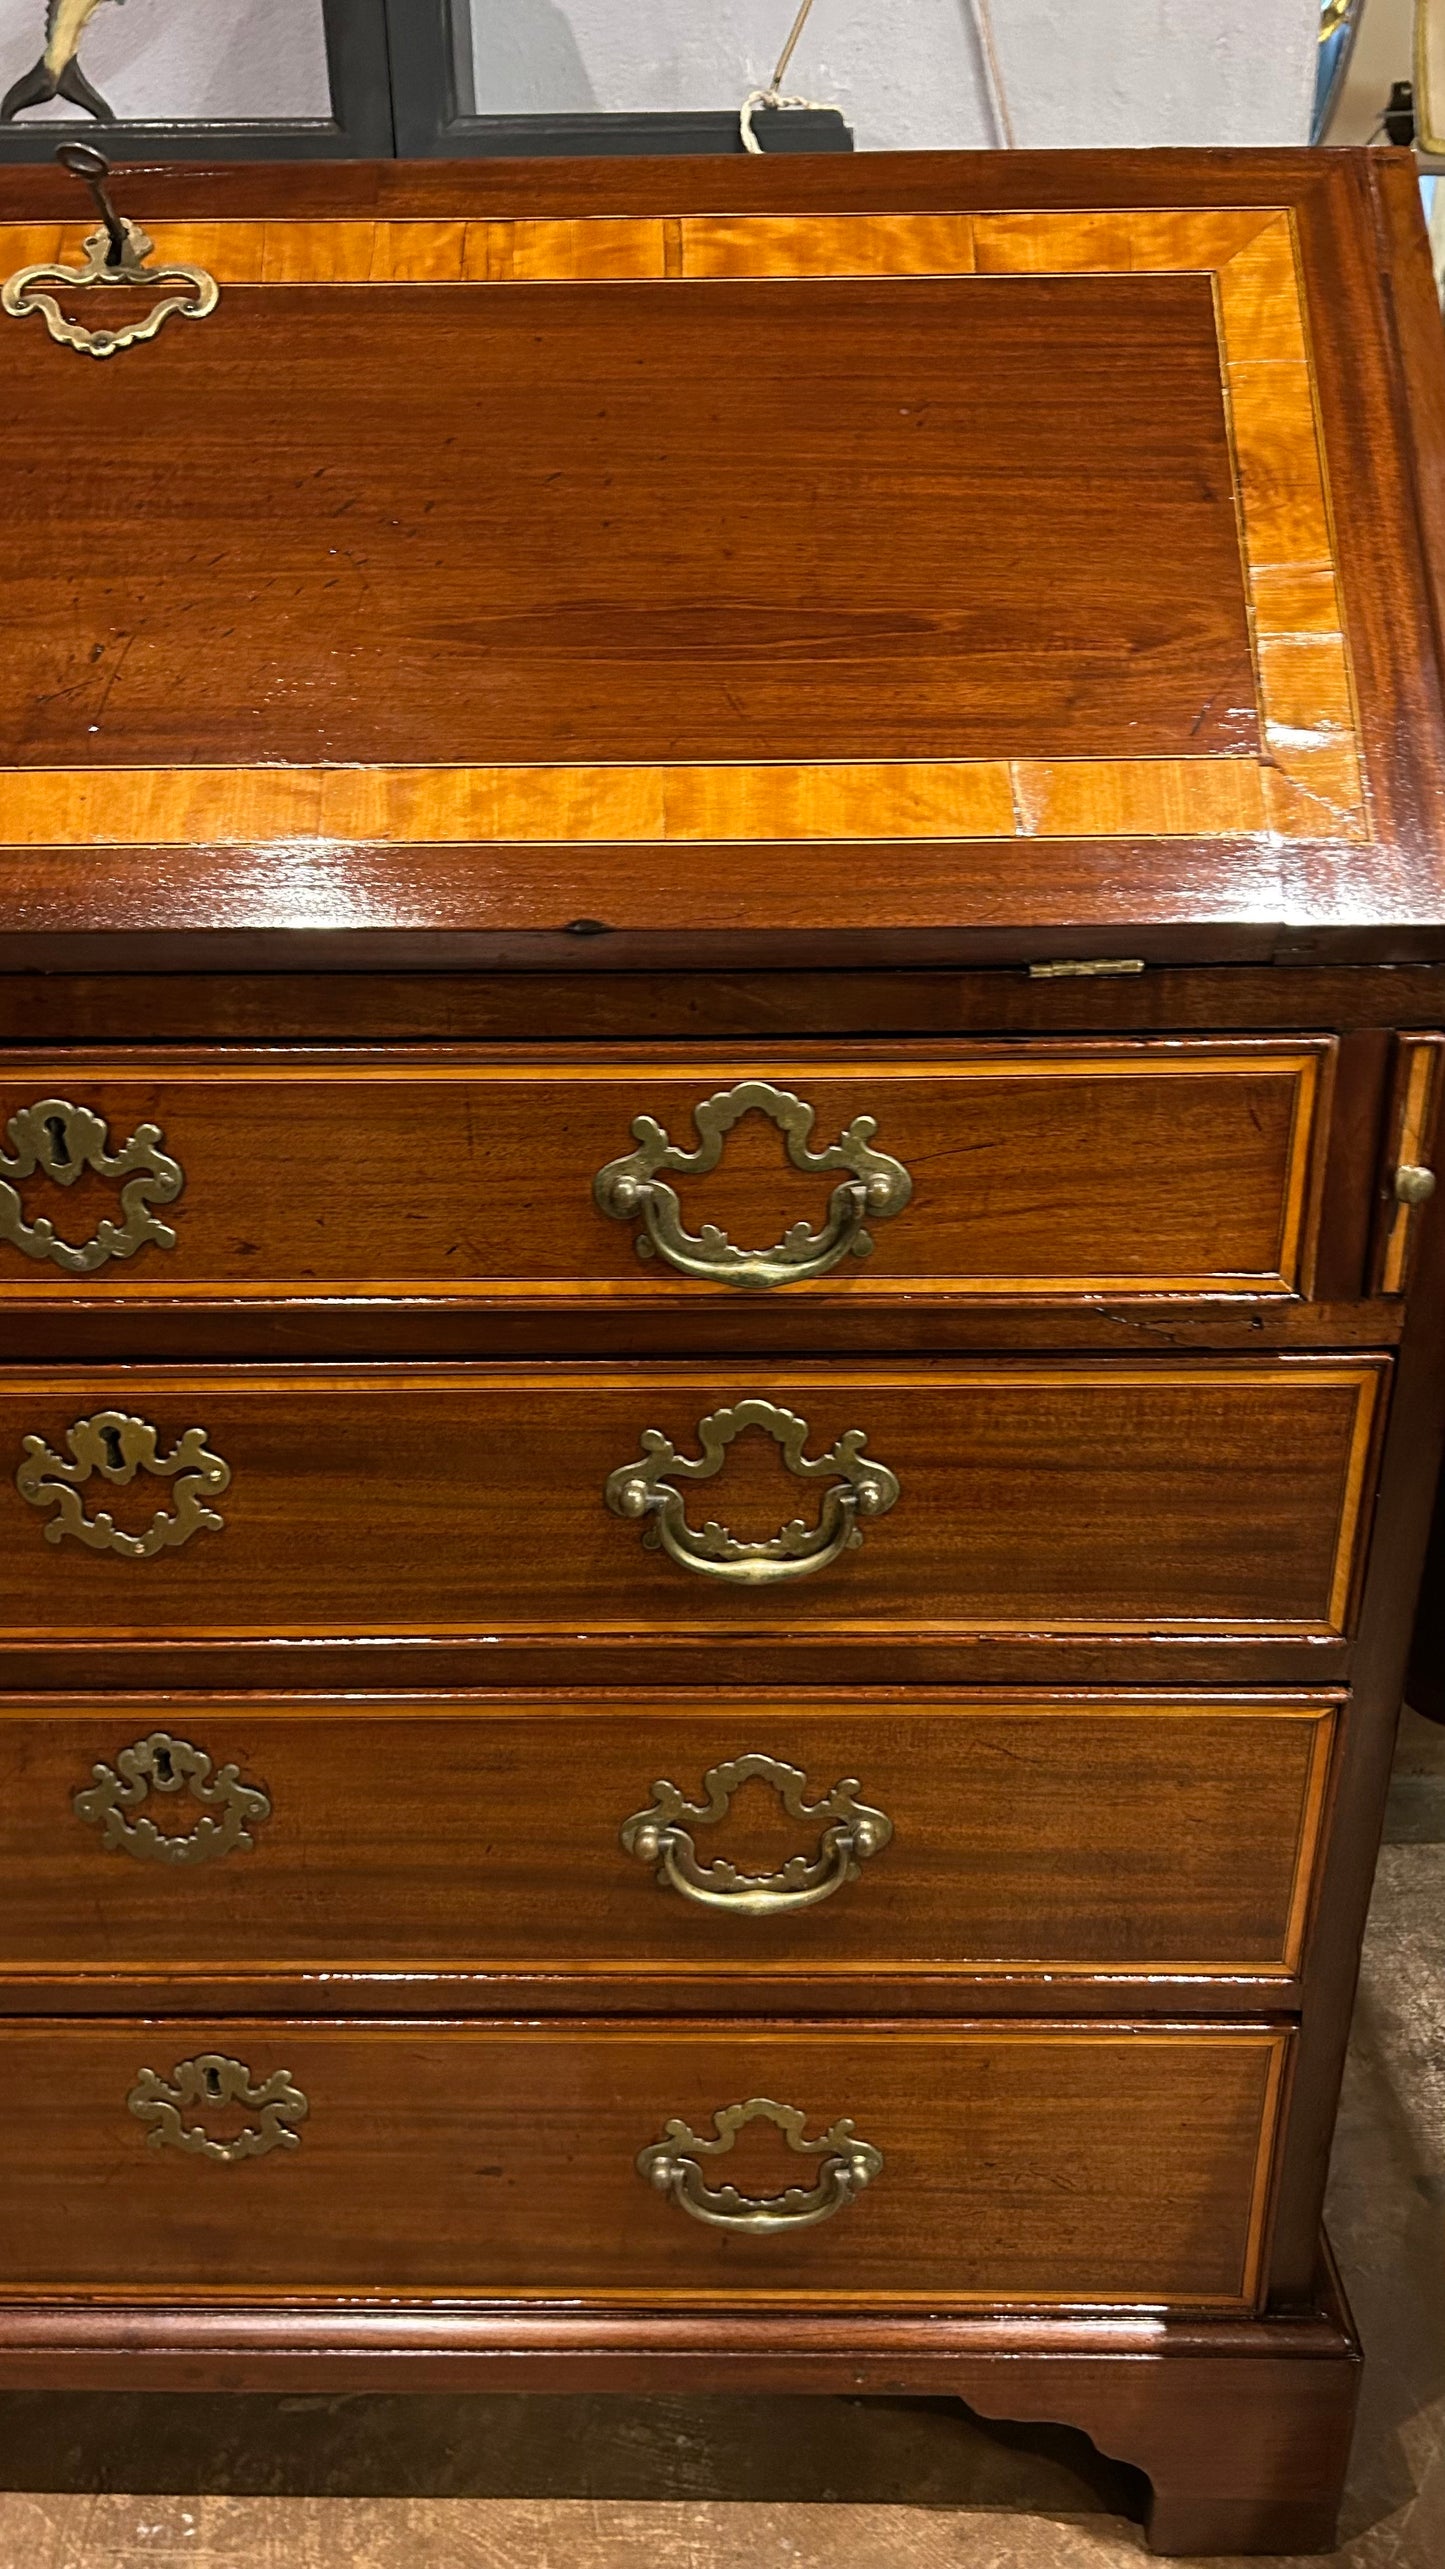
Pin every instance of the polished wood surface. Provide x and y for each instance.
(1411, 1143)
(1171, 1168)
(1278, 2394)
(1296, 708)
(1151, 320)
(1262, 295)
(764, 1007)
(1078, 2164)
(1224, 1500)
(1227, 366)
(618, 630)
(459, 1840)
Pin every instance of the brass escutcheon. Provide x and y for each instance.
(161, 1764)
(212, 2080)
(118, 1447)
(875, 1187)
(850, 1833)
(191, 292)
(115, 255)
(846, 2166)
(61, 1142)
(856, 1489)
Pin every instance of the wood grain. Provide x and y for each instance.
(526, 596)
(466, 806)
(801, 546)
(1281, 2403)
(1253, 246)
(1282, 494)
(1021, 2163)
(1360, 384)
(1222, 1500)
(1035, 1170)
(719, 1009)
(1316, 793)
(1286, 400)
(1412, 1142)
(1138, 798)
(456, 1840)
(835, 246)
(1165, 259)
(1292, 604)
(1261, 299)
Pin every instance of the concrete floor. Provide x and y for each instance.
(508, 2483)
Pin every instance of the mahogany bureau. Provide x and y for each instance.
(723, 997)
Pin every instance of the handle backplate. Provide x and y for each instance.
(663, 1836)
(845, 2166)
(856, 1489)
(875, 1187)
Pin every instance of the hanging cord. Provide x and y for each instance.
(774, 95)
(998, 107)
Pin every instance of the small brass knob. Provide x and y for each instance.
(1414, 1185)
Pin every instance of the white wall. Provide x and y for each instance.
(907, 72)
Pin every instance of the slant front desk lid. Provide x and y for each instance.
(927, 557)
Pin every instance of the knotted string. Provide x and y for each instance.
(775, 95)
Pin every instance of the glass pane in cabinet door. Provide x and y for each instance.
(901, 75)
(150, 62)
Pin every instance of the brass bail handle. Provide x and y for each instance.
(675, 2167)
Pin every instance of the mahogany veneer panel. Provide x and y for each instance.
(663, 600)
(644, 382)
(1021, 2163)
(1070, 1834)
(1170, 1167)
(481, 552)
(1224, 1500)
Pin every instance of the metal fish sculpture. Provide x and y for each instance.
(58, 74)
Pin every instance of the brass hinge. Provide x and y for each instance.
(1110, 968)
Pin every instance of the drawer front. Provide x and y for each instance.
(1034, 2163)
(698, 1837)
(977, 1169)
(1105, 1498)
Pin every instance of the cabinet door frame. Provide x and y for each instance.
(360, 127)
(431, 48)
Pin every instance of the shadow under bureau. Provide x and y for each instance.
(722, 1014)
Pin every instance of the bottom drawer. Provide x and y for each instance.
(892, 2164)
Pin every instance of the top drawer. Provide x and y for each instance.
(584, 1177)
